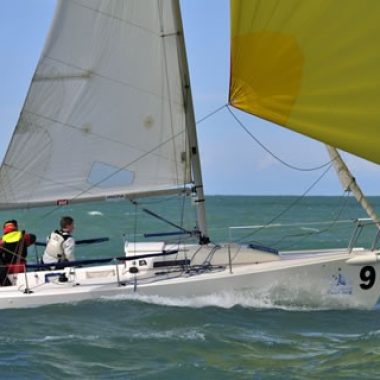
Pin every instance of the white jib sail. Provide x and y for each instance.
(105, 112)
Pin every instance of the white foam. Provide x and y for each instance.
(175, 334)
(95, 213)
(225, 300)
(53, 338)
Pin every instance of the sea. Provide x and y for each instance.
(215, 337)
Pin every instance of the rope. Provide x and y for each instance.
(212, 113)
(271, 153)
(16, 255)
(259, 142)
(327, 164)
(287, 208)
(159, 217)
(312, 233)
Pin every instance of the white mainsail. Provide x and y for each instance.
(105, 114)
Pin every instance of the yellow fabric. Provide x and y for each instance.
(12, 237)
(312, 66)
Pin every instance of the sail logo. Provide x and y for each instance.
(115, 197)
(62, 202)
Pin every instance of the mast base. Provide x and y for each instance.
(203, 240)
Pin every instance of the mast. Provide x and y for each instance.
(191, 129)
(349, 183)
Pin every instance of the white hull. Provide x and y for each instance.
(326, 279)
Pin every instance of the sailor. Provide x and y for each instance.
(13, 250)
(60, 245)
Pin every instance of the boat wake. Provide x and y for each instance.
(245, 299)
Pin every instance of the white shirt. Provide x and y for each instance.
(59, 246)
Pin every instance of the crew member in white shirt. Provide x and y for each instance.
(60, 245)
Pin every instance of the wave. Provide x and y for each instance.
(95, 213)
(231, 299)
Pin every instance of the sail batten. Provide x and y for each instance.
(105, 113)
(311, 67)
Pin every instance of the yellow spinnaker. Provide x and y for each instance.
(312, 66)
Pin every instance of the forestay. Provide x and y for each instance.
(105, 111)
(311, 66)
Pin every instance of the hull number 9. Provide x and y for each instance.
(368, 276)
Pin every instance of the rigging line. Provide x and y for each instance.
(182, 207)
(130, 163)
(182, 216)
(179, 226)
(300, 224)
(302, 237)
(115, 172)
(271, 153)
(308, 234)
(114, 17)
(149, 212)
(180, 239)
(135, 227)
(159, 217)
(288, 207)
(211, 114)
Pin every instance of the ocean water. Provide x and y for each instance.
(221, 336)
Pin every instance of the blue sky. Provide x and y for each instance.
(232, 162)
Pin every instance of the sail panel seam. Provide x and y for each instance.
(108, 15)
(87, 75)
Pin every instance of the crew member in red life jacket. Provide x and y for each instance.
(13, 250)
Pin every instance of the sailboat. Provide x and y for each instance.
(109, 116)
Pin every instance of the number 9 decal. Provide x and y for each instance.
(368, 276)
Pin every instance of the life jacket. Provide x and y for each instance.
(16, 268)
(54, 246)
(13, 249)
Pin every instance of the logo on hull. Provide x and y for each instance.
(340, 285)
